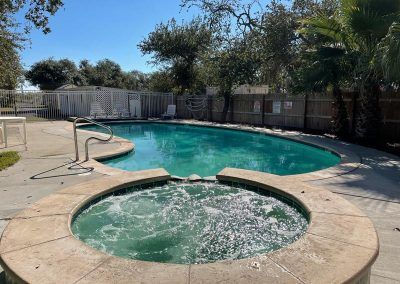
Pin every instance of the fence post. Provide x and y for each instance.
(112, 101)
(210, 114)
(15, 104)
(283, 111)
(263, 110)
(149, 103)
(353, 113)
(175, 98)
(231, 105)
(59, 104)
(305, 112)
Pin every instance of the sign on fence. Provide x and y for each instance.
(257, 107)
(288, 105)
(276, 107)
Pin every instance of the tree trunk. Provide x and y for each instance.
(340, 123)
(227, 100)
(368, 121)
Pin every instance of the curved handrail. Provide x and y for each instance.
(76, 120)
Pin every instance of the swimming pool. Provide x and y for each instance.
(187, 149)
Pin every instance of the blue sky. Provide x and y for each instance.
(97, 29)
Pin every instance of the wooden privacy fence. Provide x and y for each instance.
(310, 112)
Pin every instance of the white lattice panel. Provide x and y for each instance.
(120, 101)
(104, 97)
(134, 96)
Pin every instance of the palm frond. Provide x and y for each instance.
(370, 19)
(388, 54)
(330, 27)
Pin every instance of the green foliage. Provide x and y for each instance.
(388, 54)
(308, 45)
(107, 73)
(161, 81)
(325, 69)
(37, 13)
(136, 80)
(10, 68)
(13, 35)
(50, 74)
(269, 26)
(367, 31)
(8, 158)
(177, 48)
(230, 67)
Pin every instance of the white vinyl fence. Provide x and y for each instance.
(113, 103)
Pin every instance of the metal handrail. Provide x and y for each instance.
(76, 120)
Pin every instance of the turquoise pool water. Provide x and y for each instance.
(189, 223)
(185, 149)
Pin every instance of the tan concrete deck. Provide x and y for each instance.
(374, 186)
(37, 246)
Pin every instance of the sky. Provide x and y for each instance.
(98, 29)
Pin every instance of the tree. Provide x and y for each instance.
(86, 71)
(177, 48)
(269, 25)
(10, 68)
(369, 30)
(50, 74)
(161, 81)
(231, 67)
(13, 35)
(326, 69)
(135, 80)
(37, 13)
(107, 73)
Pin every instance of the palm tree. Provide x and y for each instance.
(325, 68)
(369, 30)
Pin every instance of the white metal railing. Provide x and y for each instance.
(61, 104)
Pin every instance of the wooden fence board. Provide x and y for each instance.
(313, 112)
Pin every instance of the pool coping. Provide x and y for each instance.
(349, 161)
(340, 244)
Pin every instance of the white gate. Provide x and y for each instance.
(135, 106)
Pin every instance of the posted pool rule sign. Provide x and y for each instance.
(257, 107)
(276, 107)
(288, 105)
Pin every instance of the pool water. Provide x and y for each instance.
(189, 223)
(185, 149)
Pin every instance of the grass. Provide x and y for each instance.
(7, 159)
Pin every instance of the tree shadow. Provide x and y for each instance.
(3, 278)
(378, 177)
(75, 167)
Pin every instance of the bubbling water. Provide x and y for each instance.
(189, 223)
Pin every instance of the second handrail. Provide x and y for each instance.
(76, 120)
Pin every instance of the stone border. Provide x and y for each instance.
(349, 160)
(339, 246)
